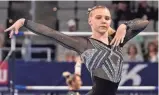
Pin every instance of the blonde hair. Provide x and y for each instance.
(111, 31)
(70, 77)
(95, 7)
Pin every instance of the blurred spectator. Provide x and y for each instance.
(145, 11)
(132, 54)
(65, 54)
(74, 83)
(70, 56)
(122, 12)
(78, 65)
(71, 25)
(151, 55)
(26, 49)
(155, 41)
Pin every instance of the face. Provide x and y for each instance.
(152, 47)
(100, 20)
(69, 58)
(132, 50)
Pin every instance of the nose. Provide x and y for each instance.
(104, 21)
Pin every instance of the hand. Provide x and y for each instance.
(65, 74)
(119, 36)
(15, 27)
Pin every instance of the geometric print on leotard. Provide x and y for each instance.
(104, 62)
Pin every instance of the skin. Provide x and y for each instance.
(76, 84)
(132, 50)
(100, 21)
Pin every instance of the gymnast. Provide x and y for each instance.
(101, 52)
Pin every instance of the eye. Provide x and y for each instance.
(107, 18)
(98, 17)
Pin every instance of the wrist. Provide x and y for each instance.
(123, 26)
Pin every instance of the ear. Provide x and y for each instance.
(89, 21)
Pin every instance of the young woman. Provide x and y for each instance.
(101, 52)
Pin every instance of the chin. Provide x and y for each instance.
(102, 31)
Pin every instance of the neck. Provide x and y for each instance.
(101, 36)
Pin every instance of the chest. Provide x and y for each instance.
(99, 55)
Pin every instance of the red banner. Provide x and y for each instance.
(3, 73)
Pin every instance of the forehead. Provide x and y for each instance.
(101, 11)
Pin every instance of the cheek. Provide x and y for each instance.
(94, 24)
(109, 22)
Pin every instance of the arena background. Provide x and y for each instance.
(34, 64)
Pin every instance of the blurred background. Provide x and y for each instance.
(39, 61)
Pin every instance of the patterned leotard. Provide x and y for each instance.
(104, 62)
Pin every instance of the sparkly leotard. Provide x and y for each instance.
(104, 62)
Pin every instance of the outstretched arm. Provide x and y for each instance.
(68, 42)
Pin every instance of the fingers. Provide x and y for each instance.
(11, 34)
(116, 41)
(114, 44)
(122, 40)
(16, 30)
(111, 43)
(9, 29)
(12, 29)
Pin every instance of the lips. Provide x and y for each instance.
(103, 26)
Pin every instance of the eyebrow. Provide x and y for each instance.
(105, 16)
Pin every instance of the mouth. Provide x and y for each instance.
(103, 27)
